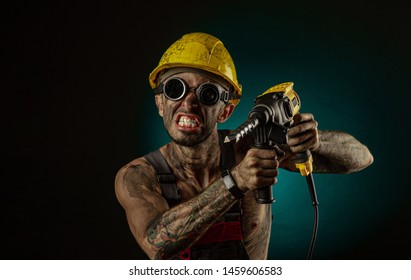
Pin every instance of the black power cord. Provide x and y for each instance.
(313, 194)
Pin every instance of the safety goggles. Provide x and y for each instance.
(208, 92)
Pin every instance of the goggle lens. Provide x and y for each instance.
(174, 89)
(209, 94)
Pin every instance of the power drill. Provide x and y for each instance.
(269, 121)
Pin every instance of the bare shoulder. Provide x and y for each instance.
(136, 181)
(136, 170)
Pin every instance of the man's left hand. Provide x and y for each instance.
(303, 134)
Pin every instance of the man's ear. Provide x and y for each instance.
(159, 103)
(226, 113)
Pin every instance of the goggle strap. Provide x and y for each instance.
(159, 88)
(235, 95)
(225, 97)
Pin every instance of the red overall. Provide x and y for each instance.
(222, 241)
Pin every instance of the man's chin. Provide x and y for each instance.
(188, 139)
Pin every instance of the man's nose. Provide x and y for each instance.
(191, 99)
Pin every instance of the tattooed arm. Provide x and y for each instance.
(333, 151)
(340, 152)
(162, 232)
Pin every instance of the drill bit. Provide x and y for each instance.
(242, 130)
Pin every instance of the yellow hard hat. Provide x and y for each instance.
(201, 51)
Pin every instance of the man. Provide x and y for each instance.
(204, 206)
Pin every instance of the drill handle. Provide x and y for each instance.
(265, 195)
(261, 141)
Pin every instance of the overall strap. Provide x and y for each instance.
(165, 177)
(227, 160)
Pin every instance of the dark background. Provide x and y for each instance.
(76, 106)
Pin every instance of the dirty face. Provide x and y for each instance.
(187, 121)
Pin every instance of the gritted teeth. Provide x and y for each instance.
(186, 121)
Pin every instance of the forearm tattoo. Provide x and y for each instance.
(340, 153)
(182, 225)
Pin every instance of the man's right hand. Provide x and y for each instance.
(258, 168)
